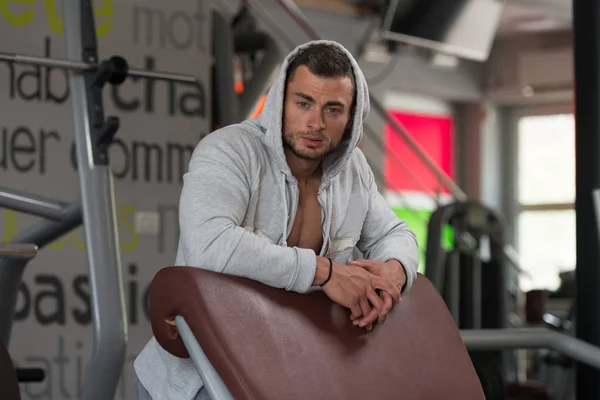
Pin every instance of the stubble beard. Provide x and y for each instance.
(290, 140)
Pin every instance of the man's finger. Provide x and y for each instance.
(378, 305)
(369, 314)
(356, 313)
(370, 269)
(387, 302)
(369, 319)
(387, 306)
(360, 265)
(369, 265)
(387, 286)
(365, 308)
(375, 300)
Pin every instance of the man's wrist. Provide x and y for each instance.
(400, 272)
(321, 271)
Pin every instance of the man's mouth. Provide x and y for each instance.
(313, 141)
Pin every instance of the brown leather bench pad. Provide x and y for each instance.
(267, 343)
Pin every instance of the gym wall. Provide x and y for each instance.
(161, 124)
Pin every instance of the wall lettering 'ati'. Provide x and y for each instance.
(50, 85)
(66, 369)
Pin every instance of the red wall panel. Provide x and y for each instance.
(435, 134)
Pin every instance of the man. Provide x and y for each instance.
(285, 199)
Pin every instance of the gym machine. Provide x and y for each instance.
(474, 284)
(24, 252)
(93, 134)
(472, 278)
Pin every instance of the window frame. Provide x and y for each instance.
(519, 208)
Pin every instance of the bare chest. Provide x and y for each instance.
(307, 231)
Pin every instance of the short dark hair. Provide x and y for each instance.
(324, 60)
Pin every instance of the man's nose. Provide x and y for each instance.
(316, 121)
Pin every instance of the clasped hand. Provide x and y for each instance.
(368, 288)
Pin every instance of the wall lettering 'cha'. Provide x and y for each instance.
(161, 124)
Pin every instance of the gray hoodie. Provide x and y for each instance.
(238, 206)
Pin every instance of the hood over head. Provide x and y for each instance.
(271, 117)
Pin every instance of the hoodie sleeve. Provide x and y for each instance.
(215, 196)
(384, 236)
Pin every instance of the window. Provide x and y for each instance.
(546, 246)
(546, 196)
(546, 160)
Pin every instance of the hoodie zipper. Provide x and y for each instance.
(325, 237)
(292, 213)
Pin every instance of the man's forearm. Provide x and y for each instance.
(251, 257)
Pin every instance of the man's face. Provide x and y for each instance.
(316, 113)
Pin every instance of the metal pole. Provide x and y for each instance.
(45, 232)
(25, 251)
(84, 66)
(105, 366)
(586, 43)
(533, 338)
(34, 205)
(596, 200)
(215, 386)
